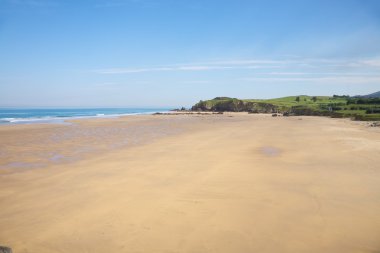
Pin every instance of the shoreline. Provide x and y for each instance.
(80, 139)
(53, 116)
(120, 133)
(69, 119)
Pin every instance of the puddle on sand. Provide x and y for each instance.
(57, 158)
(20, 165)
(270, 151)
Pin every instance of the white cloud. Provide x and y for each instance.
(131, 70)
(290, 67)
(324, 80)
(371, 62)
(198, 82)
(159, 69)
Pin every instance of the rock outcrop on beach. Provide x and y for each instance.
(226, 104)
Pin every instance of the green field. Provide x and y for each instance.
(336, 106)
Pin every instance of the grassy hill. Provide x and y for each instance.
(357, 108)
(372, 95)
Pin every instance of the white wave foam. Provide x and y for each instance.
(31, 120)
(51, 119)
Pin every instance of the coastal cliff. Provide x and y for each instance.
(221, 104)
(357, 108)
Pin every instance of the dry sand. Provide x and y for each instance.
(188, 183)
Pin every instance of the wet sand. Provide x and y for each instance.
(191, 183)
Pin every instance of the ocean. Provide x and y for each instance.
(59, 115)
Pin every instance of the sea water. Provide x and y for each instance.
(59, 115)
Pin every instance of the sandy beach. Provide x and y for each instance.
(233, 183)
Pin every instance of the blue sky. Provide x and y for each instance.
(146, 53)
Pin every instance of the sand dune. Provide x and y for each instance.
(246, 183)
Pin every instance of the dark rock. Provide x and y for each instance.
(5, 249)
(250, 111)
(224, 104)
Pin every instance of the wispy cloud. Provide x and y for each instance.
(318, 74)
(130, 70)
(371, 62)
(197, 82)
(302, 66)
(326, 80)
(104, 84)
(161, 69)
(203, 66)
